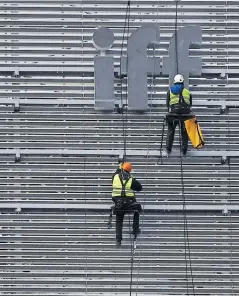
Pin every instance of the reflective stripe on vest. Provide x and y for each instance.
(117, 187)
(174, 99)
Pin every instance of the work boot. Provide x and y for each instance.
(136, 234)
(184, 152)
(118, 243)
(168, 151)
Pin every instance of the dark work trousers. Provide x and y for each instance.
(172, 124)
(119, 223)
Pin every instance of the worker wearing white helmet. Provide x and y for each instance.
(179, 101)
(178, 94)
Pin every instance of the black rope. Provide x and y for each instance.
(132, 241)
(84, 169)
(176, 55)
(124, 127)
(124, 118)
(176, 34)
(126, 87)
(229, 166)
(185, 222)
(230, 200)
(161, 143)
(131, 258)
(148, 148)
(84, 148)
(230, 223)
(177, 70)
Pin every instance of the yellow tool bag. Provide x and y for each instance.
(194, 132)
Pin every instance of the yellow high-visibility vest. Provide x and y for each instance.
(175, 98)
(118, 188)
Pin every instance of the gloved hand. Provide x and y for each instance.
(121, 162)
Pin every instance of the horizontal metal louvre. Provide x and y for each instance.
(64, 42)
(48, 252)
(69, 252)
(88, 179)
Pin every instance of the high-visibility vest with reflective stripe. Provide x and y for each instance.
(175, 98)
(117, 187)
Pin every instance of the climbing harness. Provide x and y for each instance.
(192, 127)
(123, 205)
(171, 116)
(122, 185)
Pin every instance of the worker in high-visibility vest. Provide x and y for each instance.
(123, 187)
(179, 101)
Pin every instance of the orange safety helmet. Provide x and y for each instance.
(127, 166)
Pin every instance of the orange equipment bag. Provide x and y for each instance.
(194, 132)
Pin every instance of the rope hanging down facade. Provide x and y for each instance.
(124, 105)
(230, 223)
(148, 146)
(124, 121)
(84, 146)
(229, 168)
(124, 124)
(176, 34)
(124, 112)
(187, 251)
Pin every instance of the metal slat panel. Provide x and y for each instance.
(48, 253)
(52, 178)
(45, 252)
(25, 45)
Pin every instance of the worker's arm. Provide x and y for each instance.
(136, 186)
(115, 173)
(118, 170)
(168, 100)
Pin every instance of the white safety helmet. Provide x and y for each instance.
(178, 78)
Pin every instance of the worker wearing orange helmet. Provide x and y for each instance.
(123, 196)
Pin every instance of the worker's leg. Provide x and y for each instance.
(184, 138)
(170, 135)
(119, 226)
(136, 224)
